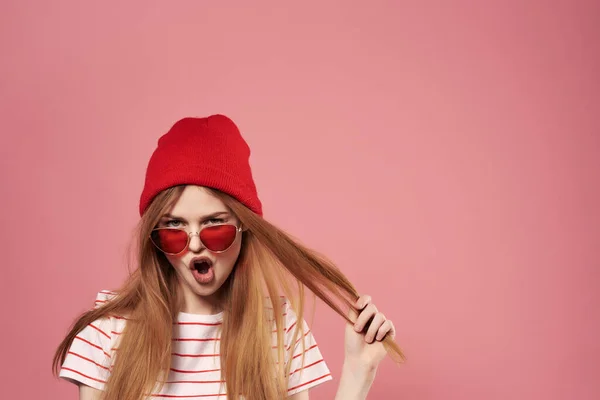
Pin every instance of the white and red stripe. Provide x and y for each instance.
(195, 371)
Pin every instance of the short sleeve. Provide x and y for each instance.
(310, 370)
(88, 360)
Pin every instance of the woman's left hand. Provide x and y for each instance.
(364, 350)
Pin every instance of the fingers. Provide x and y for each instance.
(387, 328)
(370, 321)
(364, 317)
(358, 305)
(363, 301)
(374, 327)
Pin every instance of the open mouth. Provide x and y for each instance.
(201, 265)
(202, 270)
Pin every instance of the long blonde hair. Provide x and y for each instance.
(270, 264)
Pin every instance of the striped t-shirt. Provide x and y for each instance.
(195, 366)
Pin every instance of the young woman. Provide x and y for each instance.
(215, 307)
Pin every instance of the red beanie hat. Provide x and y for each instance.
(206, 152)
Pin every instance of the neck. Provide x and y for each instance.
(193, 303)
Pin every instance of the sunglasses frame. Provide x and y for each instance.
(238, 229)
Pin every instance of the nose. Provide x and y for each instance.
(195, 245)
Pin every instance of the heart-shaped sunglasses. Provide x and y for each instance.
(216, 238)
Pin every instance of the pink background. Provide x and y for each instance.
(446, 154)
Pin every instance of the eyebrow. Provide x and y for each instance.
(204, 218)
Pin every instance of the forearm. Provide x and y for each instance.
(355, 383)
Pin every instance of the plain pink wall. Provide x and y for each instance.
(446, 154)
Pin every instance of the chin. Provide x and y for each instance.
(205, 289)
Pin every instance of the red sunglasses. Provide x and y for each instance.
(216, 238)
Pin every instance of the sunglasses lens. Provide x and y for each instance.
(171, 241)
(218, 237)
